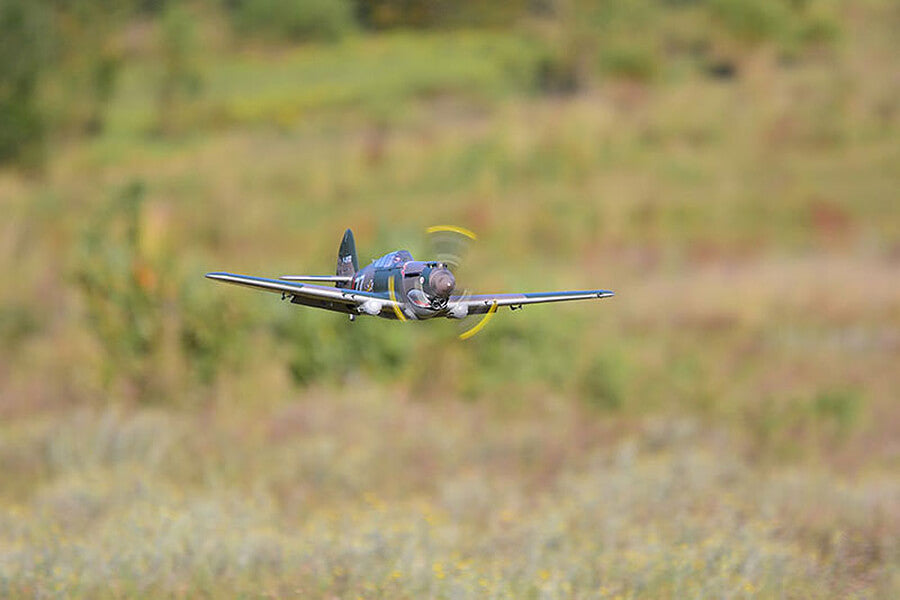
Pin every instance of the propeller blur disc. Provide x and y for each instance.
(449, 244)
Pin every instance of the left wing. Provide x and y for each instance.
(318, 278)
(480, 304)
(319, 296)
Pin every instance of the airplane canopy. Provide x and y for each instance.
(392, 259)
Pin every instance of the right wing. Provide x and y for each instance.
(339, 299)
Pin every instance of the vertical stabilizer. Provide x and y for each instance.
(347, 263)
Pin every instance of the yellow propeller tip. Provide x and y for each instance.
(454, 229)
(484, 321)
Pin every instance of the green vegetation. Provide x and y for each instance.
(299, 20)
(21, 62)
(724, 427)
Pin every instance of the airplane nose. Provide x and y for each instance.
(442, 282)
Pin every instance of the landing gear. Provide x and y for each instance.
(352, 318)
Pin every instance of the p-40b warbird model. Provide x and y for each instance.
(396, 287)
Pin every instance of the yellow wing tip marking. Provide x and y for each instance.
(395, 305)
(484, 321)
(452, 228)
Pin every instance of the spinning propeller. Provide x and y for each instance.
(448, 245)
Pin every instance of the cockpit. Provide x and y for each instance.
(392, 259)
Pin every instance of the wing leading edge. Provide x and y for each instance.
(480, 304)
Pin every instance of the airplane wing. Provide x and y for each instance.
(480, 304)
(318, 296)
(318, 278)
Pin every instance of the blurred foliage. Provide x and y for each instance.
(69, 76)
(753, 21)
(840, 409)
(604, 381)
(181, 78)
(334, 351)
(157, 330)
(87, 60)
(783, 427)
(122, 275)
(380, 14)
(23, 57)
(17, 323)
(293, 20)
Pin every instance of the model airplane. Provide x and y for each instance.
(396, 287)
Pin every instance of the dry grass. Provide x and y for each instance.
(358, 494)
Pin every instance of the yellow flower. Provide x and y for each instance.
(438, 569)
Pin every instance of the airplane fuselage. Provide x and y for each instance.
(424, 287)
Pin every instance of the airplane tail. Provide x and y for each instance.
(347, 263)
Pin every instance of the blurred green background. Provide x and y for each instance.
(726, 426)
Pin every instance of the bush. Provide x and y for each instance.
(752, 21)
(23, 27)
(297, 20)
(181, 79)
(603, 382)
(158, 329)
(558, 72)
(384, 14)
(632, 62)
(819, 28)
(838, 408)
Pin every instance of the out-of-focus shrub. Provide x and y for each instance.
(629, 61)
(819, 28)
(295, 20)
(158, 330)
(382, 14)
(516, 356)
(838, 409)
(211, 326)
(17, 323)
(603, 381)
(327, 347)
(786, 428)
(23, 58)
(87, 62)
(124, 290)
(180, 75)
(558, 71)
(752, 21)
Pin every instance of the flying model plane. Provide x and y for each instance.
(396, 287)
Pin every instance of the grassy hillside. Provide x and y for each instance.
(725, 426)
